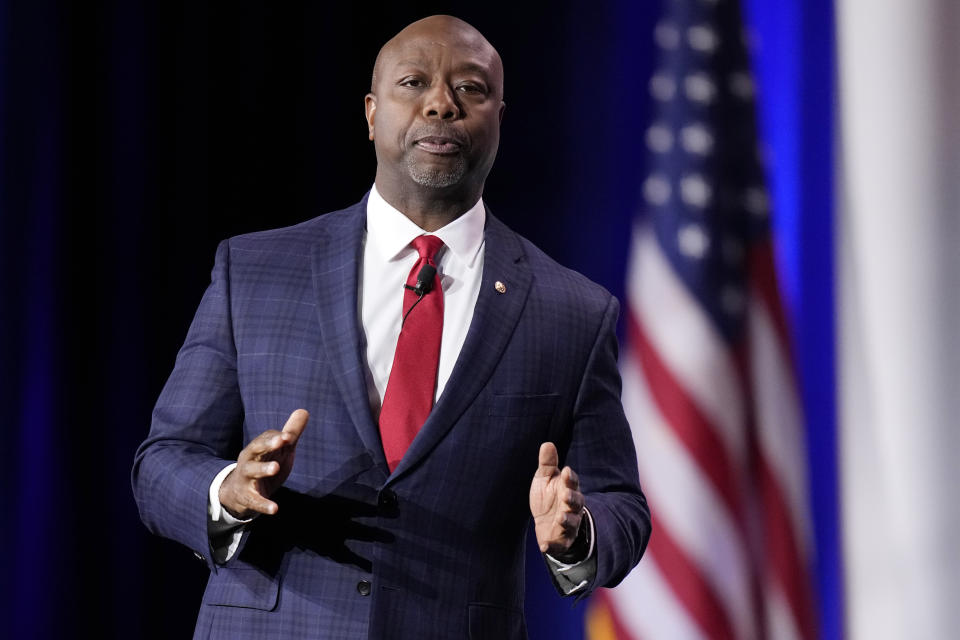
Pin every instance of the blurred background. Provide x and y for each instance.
(807, 151)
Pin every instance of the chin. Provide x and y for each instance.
(437, 178)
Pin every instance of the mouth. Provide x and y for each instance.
(438, 145)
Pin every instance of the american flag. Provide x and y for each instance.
(707, 373)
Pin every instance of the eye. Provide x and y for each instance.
(412, 82)
(469, 87)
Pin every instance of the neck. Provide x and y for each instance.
(430, 208)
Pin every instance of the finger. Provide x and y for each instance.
(255, 470)
(256, 502)
(573, 501)
(263, 444)
(570, 478)
(245, 498)
(295, 425)
(548, 459)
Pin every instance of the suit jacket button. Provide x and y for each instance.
(363, 587)
(387, 500)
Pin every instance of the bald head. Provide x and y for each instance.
(439, 30)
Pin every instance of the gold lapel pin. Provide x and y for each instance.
(500, 287)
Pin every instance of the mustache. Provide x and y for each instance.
(442, 131)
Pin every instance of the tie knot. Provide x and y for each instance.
(427, 246)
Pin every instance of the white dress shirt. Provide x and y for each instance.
(388, 258)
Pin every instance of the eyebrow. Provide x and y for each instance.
(465, 67)
(473, 66)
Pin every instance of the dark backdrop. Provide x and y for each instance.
(136, 135)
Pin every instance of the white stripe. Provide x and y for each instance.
(687, 505)
(645, 604)
(780, 623)
(689, 345)
(778, 420)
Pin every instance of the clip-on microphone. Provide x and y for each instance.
(424, 281)
(423, 287)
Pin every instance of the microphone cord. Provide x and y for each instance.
(404, 321)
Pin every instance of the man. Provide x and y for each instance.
(427, 419)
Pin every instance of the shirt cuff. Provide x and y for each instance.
(223, 529)
(571, 578)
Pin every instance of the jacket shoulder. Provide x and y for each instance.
(296, 240)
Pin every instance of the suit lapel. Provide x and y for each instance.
(336, 263)
(494, 319)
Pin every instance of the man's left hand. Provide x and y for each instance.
(555, 502)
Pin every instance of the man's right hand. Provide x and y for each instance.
(262, 467)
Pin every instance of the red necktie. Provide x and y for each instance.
(413, 378)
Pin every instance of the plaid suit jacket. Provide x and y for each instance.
(435, 549)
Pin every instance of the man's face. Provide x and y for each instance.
(434, 113)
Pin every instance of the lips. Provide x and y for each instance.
(439, 145)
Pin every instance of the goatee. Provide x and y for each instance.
(436, 178)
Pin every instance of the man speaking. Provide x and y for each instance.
(370, 405)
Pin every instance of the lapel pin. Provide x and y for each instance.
(500, 287)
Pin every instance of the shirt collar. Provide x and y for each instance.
(389, 232)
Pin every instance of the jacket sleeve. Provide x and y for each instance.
(197, 424)
(602, 453)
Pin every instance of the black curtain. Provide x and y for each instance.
(133, 137)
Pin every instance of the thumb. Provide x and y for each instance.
(549, 459)
(296, 423)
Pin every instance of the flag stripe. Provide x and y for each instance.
(777, 420)
(698, 523)
(684, 417)
(780, 623)
(687, 582)
(688, 344)
(783, 554)
(763, 281)
(782, 450)
(649, 608)
(603, 620)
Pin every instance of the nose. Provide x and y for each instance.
(440, 102)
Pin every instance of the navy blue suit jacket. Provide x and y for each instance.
(435, 549)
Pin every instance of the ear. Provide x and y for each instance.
(503, 105)
(370, 109)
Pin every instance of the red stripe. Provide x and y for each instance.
(691, 588)
(698, 435)
(783, 552)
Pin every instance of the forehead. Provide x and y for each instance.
(456, 49)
